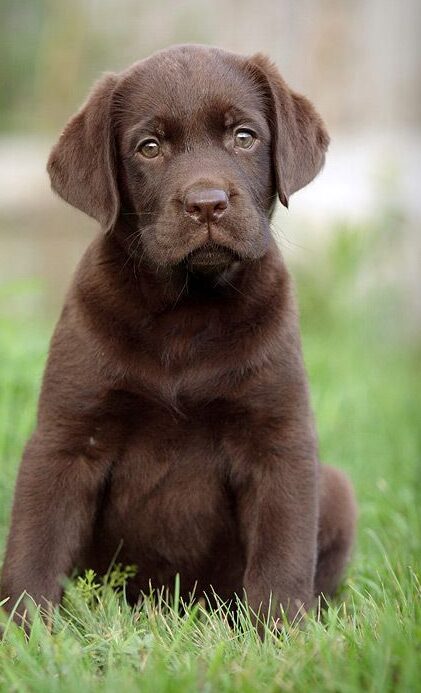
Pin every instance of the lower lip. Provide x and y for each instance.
(211, 256)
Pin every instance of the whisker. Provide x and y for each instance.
(234, 287)
(185, 286)
(280, 235)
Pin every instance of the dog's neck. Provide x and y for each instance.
(122, 296)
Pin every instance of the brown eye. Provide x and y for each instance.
(149, 148)
(244, 138)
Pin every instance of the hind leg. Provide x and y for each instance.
(338, 514)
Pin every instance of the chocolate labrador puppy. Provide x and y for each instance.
(174, 425)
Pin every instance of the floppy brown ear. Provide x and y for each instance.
(81, 164)
(299, 137)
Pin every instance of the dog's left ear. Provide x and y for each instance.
(81, 165)
(299, 137)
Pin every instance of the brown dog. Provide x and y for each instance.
(174, 418)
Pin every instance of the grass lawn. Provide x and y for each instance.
(366, 387)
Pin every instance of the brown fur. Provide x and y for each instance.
(174, 417)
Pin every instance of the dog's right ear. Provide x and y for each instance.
(81, 165)
(299, 137)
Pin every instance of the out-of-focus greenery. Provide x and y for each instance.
(50, 53)
(366, 383)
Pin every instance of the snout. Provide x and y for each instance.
(207, 205)
(208, 224)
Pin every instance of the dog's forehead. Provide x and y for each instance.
(185, 82)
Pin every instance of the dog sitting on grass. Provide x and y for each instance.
(174, 419)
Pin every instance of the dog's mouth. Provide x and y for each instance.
(211, 257)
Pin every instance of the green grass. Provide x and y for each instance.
(366, 382)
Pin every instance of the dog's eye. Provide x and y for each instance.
(149, 148)
(244, 138)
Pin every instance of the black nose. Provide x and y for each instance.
(206, 205)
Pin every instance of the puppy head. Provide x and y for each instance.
(189, 148)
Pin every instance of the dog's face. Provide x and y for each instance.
(189, 147)
(196, 160)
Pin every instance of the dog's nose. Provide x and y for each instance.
(206, 205)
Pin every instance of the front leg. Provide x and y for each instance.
(278, 517)
(53, 511)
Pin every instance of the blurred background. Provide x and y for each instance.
(351, 238)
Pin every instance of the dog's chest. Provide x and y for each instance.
(168, 490)
(178, 337)
(189, 359)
